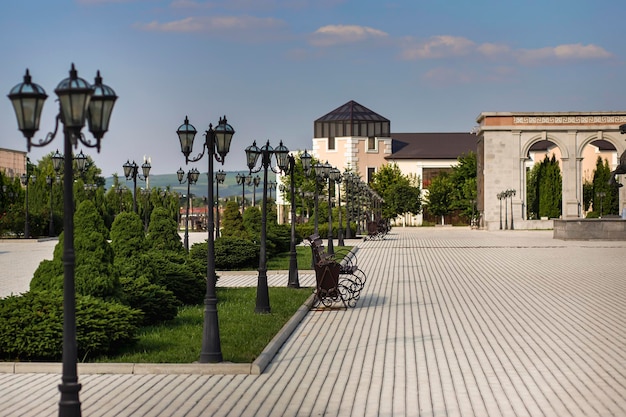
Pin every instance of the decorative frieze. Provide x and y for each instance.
(570, 120)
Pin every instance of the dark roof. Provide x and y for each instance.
(431, 145)
(354, 112)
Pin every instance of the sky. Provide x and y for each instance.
(274, 66)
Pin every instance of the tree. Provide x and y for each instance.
(232, 222)
(463, 178)
(400, 193)
(94, 271)
(440, 195)
(544, 189)
(605, 197)
(163, 232)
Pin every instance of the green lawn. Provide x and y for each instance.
(243, 333)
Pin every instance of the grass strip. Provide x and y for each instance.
(243, 333)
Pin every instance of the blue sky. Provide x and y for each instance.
(274, 66)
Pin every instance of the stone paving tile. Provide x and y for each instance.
(451, 322)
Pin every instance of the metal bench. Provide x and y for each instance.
(337, 281)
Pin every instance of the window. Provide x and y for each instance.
(331, 143)
(371, 143)
(370, 174)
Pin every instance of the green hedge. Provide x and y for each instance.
(31, 326)
(231, 253)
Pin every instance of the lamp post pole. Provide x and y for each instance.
(253, 153)
(25, 178)
(241, 179)
(601, 194)
(293, 281)
(500, 196)
(255, 183)
(220, 176)
(511, 194)
(131, 171)
(347, 178)
(50, 182)
(79, 101)
(336, 177)
(329, 235)
(191, 178)
(217, 145)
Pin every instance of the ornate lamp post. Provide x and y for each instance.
(220, 176)
(241, 179)
(216, 144)
(325, 175)
(57, 160)
(347, 178)
(601, 194)
(131, 171)
(271, 186)
(336, 177)
(252, 156)
(26, 179)
(511, 193)
(306, 167)
(191, 178)
(500, 196)
(255, 183)
(293, 281)
(79, 101)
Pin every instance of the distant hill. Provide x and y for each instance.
(200, 189)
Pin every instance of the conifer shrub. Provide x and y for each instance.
(232, 222)
(152, 277)
(94, 272)
(231, 253)
(163, 232)
(155, 301)
(31, 326)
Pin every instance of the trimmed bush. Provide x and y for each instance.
(163, 232)
(230, 253)
(94, 271)
(31, 326)
(155, 301)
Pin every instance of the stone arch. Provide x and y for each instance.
(504, 140)
(552, 137)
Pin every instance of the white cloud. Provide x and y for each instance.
(214, 24)
(563, 53)
(343, 34)
(439, 47)
(493, 49)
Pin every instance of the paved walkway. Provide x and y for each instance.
(452, 322)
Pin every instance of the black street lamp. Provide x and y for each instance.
(325, 171)
(220, 176)
(253, 153)
(26, 179)
(601, 194)
(255, 183)
(511, 193)
(348, 180)
(57, 160)
(336, 177)
(79, 101)
(131, 171)
(217, 145)
(271, 186)
(241, 179)
(293, 281)
(191, 178)
(500, 196)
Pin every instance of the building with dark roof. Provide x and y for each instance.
(357, 138)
